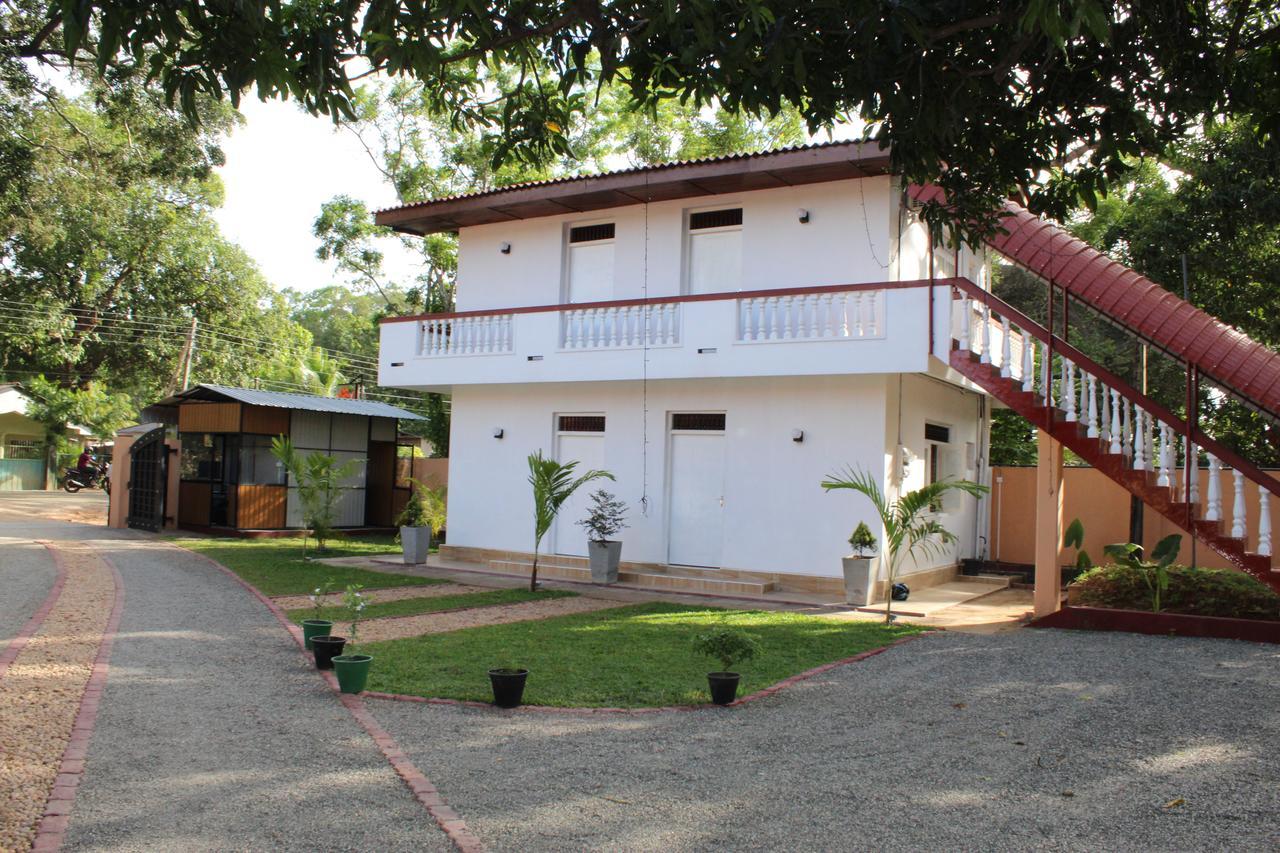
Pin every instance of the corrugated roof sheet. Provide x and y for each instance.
(634, 170)
(1221, 352)
(284, 400)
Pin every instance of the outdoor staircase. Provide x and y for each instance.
(1125, 434)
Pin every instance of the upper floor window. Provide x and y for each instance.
(715, 251)
(590, 262)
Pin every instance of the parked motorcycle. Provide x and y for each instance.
(75, 480)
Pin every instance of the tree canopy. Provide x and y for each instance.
(1051, 99)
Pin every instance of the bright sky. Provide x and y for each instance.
(281, 166)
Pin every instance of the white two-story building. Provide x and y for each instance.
(719, 335)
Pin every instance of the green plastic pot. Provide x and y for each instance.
(315, 628)
(352, 671)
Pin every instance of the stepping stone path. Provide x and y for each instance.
(376, 596)
(399, 627)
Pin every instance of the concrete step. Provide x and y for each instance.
(643, 580)
(1001, 581)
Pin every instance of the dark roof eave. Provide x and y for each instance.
(690, 179)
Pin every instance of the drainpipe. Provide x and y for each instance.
(999, 512)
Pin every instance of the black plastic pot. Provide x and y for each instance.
(724, 686)
(326, 649)
(508, 686)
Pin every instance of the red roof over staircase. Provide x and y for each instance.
(1220, 352)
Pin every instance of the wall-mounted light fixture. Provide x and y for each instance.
(706, 350)
(498, 432)
(504, 248)
(803, 216)
(797, 435)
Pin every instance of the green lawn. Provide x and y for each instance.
(415, 606)
(276, 567)
(630, 657)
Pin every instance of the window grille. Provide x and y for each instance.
(582, 423)
(715, 218)
(934, 432)
(588, 233)
(710, 421)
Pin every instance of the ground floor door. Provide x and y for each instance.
(148, 481)
(588, 450)
(696, 499)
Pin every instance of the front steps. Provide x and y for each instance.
(675, 580)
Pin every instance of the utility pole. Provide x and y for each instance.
(182, 376)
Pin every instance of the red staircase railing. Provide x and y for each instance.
(1124, 433)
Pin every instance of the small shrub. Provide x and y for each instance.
(862, 541)
(605, 516)
(1193, 591)
(727, 646)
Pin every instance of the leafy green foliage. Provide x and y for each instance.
(427, 507)
(983, 98)
(57, 407)
(1154, 572)
(318, 477)
(1195, 591)
(726, 645)
(862, 540)
(1074, 538)
(909, 527)
(1013, 439)
(628, 657)
(606, 515)
(354, 603)
(553, 483)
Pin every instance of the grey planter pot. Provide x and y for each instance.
(859, 580)
(605, 557)
(416, 542)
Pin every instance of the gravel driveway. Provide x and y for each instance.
(26, 576)
(213, 733)
(1046, 740)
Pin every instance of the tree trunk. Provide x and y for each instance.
(533, 576)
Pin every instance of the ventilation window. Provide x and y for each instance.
(582, 423)
(713, 422)
(715, 219)
(591, 233)
(934, 432)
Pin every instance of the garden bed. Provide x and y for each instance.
(1167, 624)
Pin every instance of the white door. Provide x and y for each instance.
(715, 261)
(697, 499)
(588, 450)
(591, 272)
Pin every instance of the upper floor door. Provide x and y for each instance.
(590, 260)
(715, 251)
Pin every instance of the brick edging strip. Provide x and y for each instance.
(57, 810)
(419, 785)
(32, 625)
(664, 709)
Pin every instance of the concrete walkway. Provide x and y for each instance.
(212, 732)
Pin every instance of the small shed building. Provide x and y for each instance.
(229, 481)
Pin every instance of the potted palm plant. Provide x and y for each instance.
(351, 668)
(909, 529)
(421, 521)
(605, 517)
(860, 567)
(315, 626)
(729, 647)
(553, 483)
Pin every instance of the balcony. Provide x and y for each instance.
(793, 331)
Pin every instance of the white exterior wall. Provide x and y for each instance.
(777, 518)
(838, 245)
(927, 399)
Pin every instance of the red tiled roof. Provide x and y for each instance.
(1222, 353)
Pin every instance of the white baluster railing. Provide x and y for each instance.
(811, 317)
(1239, 526)
(486, 334)
(621, 327)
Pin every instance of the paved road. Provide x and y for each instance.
(213, 733)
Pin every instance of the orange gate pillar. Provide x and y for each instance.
(1048, 594)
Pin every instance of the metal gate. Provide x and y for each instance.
(148, 481)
